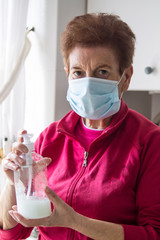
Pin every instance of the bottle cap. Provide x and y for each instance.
(27, 141)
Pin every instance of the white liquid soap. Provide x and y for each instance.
(34, 207)
(30, 181)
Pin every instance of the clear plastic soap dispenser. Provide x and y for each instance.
(30, 181)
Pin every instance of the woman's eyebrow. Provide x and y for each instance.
(96, 67)
(104, 66)
(76, 68)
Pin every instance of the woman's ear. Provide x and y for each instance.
(66, 70)
(127, 75)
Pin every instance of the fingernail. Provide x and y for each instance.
(12, 215)
(49, 160)
(15, 167)
(14, 208)
(47, 190)
(10, 212)
(21, 161)
(15, 217)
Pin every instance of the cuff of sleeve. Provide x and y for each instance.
(132, 232)
(15, 233)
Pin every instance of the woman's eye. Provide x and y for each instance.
(77, 74)
(103, 72)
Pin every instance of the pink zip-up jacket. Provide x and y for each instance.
(117, 180)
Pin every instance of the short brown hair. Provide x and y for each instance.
(100, 29)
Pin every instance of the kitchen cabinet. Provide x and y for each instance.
(143, 17)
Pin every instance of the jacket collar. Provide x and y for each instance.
(68, 123)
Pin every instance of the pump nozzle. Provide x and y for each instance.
(30, 145)
(27, 141)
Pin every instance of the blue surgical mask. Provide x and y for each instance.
(94, 98)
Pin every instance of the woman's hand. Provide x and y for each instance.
(13, 161)
(62, 215)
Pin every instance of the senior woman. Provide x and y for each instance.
(104, 174)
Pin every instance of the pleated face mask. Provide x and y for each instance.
(94, 98)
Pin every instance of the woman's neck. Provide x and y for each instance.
(97, 124)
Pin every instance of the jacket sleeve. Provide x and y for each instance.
(147, 193)
(140, 233)
(18, 232)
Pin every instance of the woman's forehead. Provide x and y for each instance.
(93, 56)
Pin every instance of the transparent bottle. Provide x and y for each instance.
(30, 181)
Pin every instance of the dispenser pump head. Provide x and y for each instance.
(27, 141)
(30, 145)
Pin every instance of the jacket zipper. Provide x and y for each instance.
(74, 184)
(85, 159)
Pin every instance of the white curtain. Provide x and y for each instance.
(14, 47)
(13, 17)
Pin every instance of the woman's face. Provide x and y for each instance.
(98, 62)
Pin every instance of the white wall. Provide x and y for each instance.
(143, 17)
(47, 101)
(46, 82)
(67, 10)
(40, 65)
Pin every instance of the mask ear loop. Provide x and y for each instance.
(121, 78)
(121, 95)
(119, 83)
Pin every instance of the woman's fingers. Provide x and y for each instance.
(47, 160)
(19, 148)
(14, 215)
(21, 132)
(14, 207)
(28, 222)
(63, 214)
(13, 157)
(12, 162)
(8, 165)
(43, 162)
(41, 165)
(53, 197)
